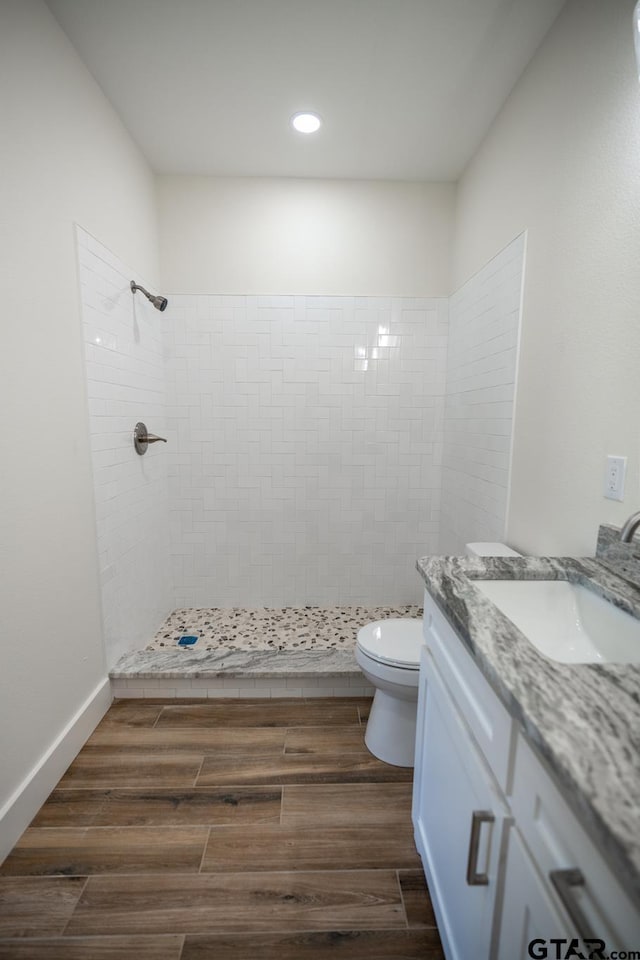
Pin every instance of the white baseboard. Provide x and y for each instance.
(353, 685)
(24, 803)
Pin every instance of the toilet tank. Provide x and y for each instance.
(490, 550)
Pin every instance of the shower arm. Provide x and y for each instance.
(160, 303)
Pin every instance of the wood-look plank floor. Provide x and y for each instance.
(240, 830)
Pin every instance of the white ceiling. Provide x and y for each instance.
(407, 88)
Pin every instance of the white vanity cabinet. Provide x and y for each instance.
(528, 911)
(460, 811)
(574, 880)
(460, 825)
(505, 858)
(557, 884)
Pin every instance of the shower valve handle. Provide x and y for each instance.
(142, 438)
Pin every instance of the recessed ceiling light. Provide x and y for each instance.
(306, 122)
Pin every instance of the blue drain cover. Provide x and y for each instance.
(187, 641)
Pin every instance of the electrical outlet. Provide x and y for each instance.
(614, 478)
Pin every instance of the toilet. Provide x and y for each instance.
(388, 653)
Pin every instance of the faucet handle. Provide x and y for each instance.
(142, 438)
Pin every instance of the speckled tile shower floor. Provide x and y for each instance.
(282, 628)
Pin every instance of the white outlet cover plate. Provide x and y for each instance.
(614, 477)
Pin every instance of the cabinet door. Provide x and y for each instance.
(455, 802)
(528, 912)
(492, 725)
(557, 841)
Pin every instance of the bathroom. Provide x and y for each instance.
(551, 158)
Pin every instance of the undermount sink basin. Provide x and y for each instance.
(566, 621)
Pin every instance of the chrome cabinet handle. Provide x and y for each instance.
(478, 817)
(142, 438)
(564, 881)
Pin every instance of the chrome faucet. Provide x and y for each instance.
(630, 527)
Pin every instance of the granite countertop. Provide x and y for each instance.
(206, 664)
(583, 719)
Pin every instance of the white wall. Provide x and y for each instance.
(484, 321)
(125, 384)
(562, 161)
(65, 158)
(305, 447)
(322, 237)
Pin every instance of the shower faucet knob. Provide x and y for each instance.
(142, 438)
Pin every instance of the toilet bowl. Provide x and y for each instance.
(388, 653)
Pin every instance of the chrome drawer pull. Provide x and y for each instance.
(563, 882)
(478, 817)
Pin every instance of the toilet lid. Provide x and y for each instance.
(396, 642)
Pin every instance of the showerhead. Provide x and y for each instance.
(160, 303)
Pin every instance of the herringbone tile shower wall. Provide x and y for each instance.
(305, 447)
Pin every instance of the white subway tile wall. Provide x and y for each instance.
(317, 445)
(125, 383)
(484, 322)
(305, 447)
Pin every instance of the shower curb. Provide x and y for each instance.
(256, 673)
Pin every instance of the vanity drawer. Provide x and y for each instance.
(488, 720)
(557, 841)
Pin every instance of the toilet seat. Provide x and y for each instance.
(395, 643)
